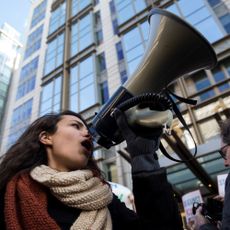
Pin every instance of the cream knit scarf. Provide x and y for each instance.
(79, 189)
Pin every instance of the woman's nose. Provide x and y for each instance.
(87, 133)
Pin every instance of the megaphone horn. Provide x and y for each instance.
(174, 49)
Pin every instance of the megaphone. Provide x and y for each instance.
(174, 49)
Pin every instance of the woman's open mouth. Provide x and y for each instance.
(88, 145)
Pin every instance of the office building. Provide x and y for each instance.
(9, 60)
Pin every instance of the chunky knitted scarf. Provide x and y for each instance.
(76, 189)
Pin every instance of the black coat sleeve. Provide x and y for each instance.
(208, 226)
(226, 209)
(122, 217)
(155, 203)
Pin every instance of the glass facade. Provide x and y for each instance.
(225, 20)
(102, 77)
(82, 34)
(98, 28)
(104, 92)
(51, 96)
(126, 9)
(83, 92)
(5, 76)
(54, 54)
(202, 82)
(20, 121)
(222, 12)
(199, 15)
(214, 2)
(9, 47)
(33, 42)
(121, 62)
(38, 14)
(203, 87)
(113, 17)
(58, 17)
(134, 43)
(27, 78)
(79, 5)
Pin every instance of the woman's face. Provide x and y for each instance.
(70, 147)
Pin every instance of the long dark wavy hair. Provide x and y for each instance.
(28, 152)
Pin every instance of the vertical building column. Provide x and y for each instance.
(109, 41)
(66, 72)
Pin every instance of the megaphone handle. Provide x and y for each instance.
(159, 100)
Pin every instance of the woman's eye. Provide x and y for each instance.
(76, 125)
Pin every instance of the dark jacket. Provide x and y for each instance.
(154, 200)
(226, 210)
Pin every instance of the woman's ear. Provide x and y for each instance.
(45, 138)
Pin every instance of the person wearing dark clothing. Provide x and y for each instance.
(225, 153)
(49, 180)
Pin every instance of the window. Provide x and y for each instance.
(54, 54)
(6, 71)
(27, 78)
(122, 68)
(201, 82)
(20, 120)
(145, 31)
(225, 20)
(1, 105)
(112, 7)
(57, 18)
(196, 13)
(33, 42)
(127, 9)
(219, 76)
(102, 75)
(120, 54)
(51, 96)
(82, 34)
(83, 85)
(104, 92)
(38, 14)
(214, 2)
(226, 64)
(79, 5)
(96, 2)
(124, 76)
(173, 8)
(98, 28)
(133, 45)
(101, 62)
(3, 88)
(114, 17)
